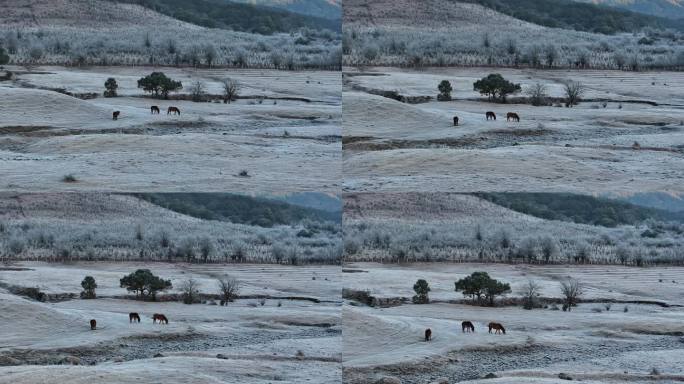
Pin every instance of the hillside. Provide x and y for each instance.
(239, 209)
(236, 16)
(327, 9)
(673, 9)
(578, 16)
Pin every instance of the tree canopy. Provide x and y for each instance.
(144, 283)
(482, 288)
(495, 87)
(158, 84)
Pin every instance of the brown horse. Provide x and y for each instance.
(93, 324)
(115, 115)
(154, 109)
(162, 319)
(498, 328)
(173, 110)
(455, 121)
(491, 115)
(512, 116)
(428, 334)
(133, 317)
(467, 326)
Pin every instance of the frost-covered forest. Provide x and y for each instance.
(103, 33)
(103, 227)
(460, 34)
(452, 227)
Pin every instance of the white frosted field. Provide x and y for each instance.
(396, 146)
(285, 340)
(589, 343)
(284, 132)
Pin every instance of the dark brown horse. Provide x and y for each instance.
(115, 115)
(428, 334)
(154, 109)
(455, 121)
(93, 324)
(512, 116)
(173, 110)
(467, 326)
(498, 328)
(491, 115)
(133, 317)
(162, 319)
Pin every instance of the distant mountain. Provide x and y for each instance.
(673, 9)
(237, 16)
(327, 9)
(239, 209)
(660, 200)
(580, 16)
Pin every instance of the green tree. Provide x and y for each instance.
(481, 288)
(145, 284)
(495, 87)
(89, 286)
(445, 89)
(4, 57)
(421, 288)
(110, 87)
(158, 84)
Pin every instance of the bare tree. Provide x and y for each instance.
(537, 94)
(228, 289)
(210, 55)
(190, 290)
(197, 90)
(572, 290)
(231, 89)
(573, 92)
(530, 293)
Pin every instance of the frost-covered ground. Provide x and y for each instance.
(284, 132)
(290, 341)
(395, 146)
(589, 343)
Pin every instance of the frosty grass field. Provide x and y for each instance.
(395, 146)
(282, 134)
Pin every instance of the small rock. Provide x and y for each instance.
(118, 359)
(158, 354)
(564, 376)
(490, 375)
(388, 380)
(222, 356)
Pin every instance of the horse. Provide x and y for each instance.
(455, 121)
(512, 116)
(162, 319)
(491, 115)
(93, 324)
(175, 111)
(154, 109)
(133, 317)
(115, 115)
(467, 326)
(498, 328)
(428, 334)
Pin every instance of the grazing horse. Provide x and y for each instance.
(162, 319)
(175, 111)
(93, 324)
(428, 334)
(512, 116)
(115, 115)
(467, 326)
(154, 109)
(133, 317)
(455, 121)
(498, 328)
(491, 115)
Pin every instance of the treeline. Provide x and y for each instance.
(238, 17)
(239, 209)
(578, 16)
(581, 209)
